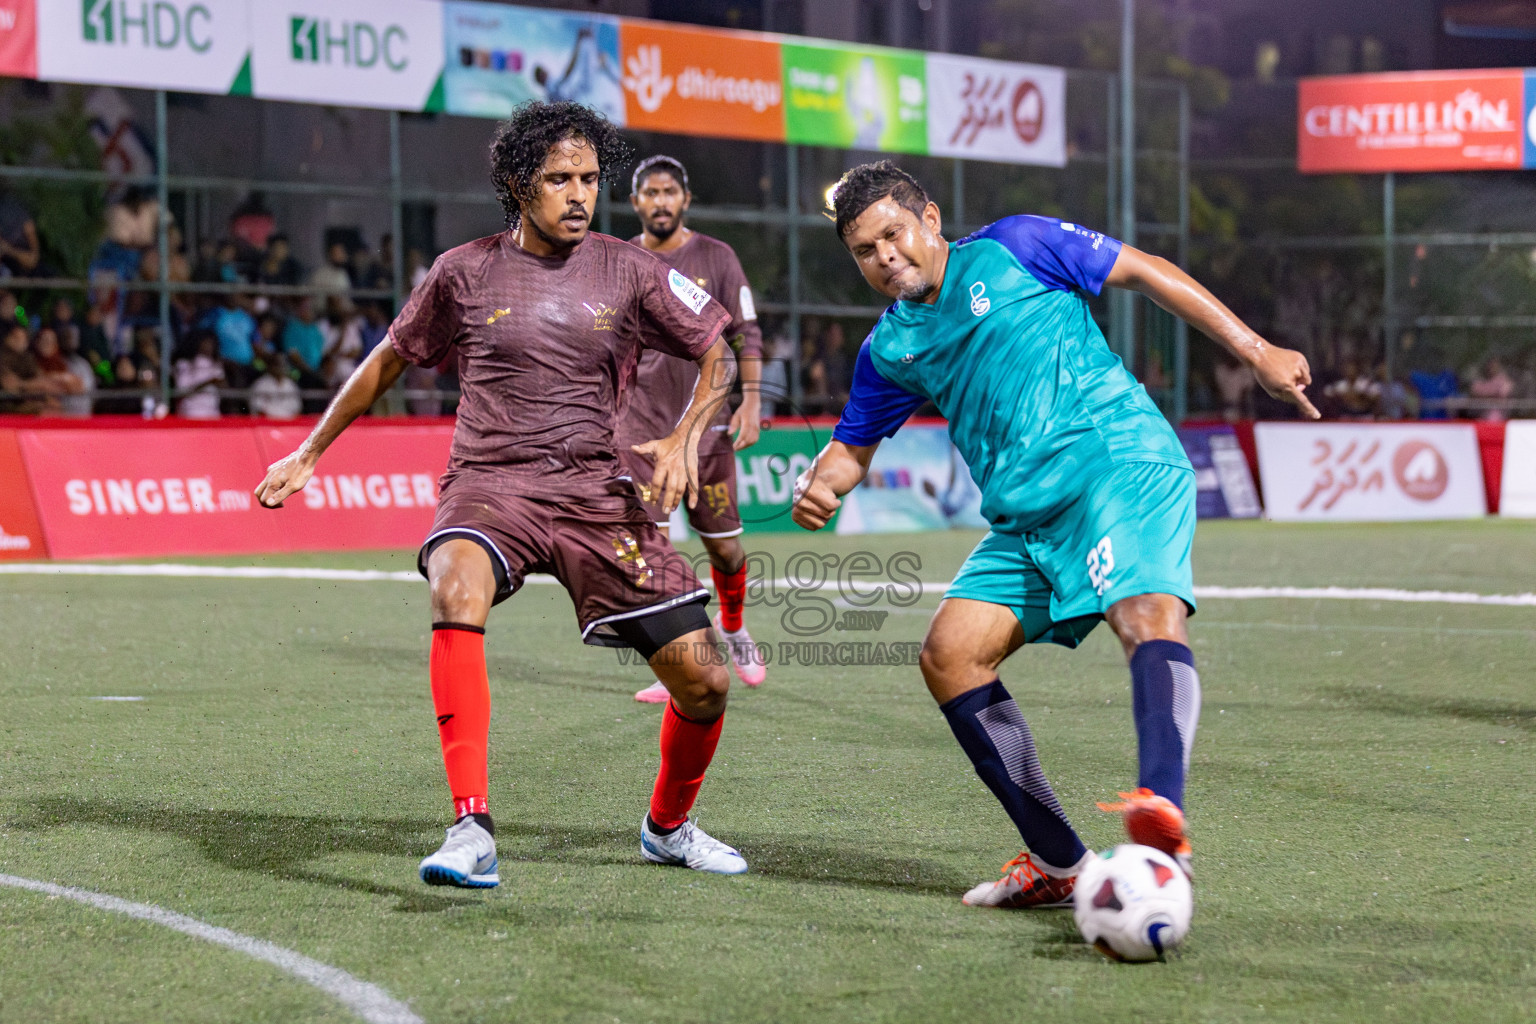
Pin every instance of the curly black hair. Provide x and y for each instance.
(866, 185)
(524, 140)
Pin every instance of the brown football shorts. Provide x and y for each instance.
(715, 513)
(605, 551)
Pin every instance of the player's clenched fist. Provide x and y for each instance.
(284, 477)
(815, 501)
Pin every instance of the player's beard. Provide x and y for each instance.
(917, 292)
(661, 234)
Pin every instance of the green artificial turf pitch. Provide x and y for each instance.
(1361, 805)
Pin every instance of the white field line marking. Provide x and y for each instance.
(117, 698)
(258, 572)
(368, 1001)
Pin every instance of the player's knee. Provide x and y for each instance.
(704, 691)
(726, 554)
(457, 598)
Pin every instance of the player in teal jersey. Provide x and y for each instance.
(1087, 489)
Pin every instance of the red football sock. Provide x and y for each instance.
(461, 693)
(687, 747)
(731, 589)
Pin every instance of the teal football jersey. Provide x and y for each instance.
(1037, 404)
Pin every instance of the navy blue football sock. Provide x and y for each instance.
(994, 735)
(1165, 697)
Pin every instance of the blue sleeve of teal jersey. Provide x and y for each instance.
(1058, 253)
(876, 408)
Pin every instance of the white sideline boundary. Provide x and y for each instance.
(260, 572)
(367, 1000)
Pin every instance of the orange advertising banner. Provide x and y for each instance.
(1411, 121)
(695, 82)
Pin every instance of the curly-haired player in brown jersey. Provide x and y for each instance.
(660, 196)
(549, 319)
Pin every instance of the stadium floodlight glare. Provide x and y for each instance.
(827, 195)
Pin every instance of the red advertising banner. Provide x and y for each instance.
(701, 82)
(375, 487)
(21, 536)
(1411, 121)
(113, 493)
(18, 38)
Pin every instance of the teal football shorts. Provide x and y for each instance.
(1129, 534)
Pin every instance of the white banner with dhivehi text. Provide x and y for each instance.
(356, 53)
(1517, 488)
(186, 45)
(995, 110)
(1370, 471)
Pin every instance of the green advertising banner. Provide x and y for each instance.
(766, 472)
(873, 99)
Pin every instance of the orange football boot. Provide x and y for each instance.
(1155, 821)
(1023, 887)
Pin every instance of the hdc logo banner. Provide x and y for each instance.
(994, 110)
(353, 53)
(1377, 471)
(188, 45)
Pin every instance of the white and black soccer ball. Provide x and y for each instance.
(1133, 903)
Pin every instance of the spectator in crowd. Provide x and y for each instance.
(145, 360)
(1494, 384)
(374, 326)
(55, 368)
(95, 346)
(334, 275)
(250, 229)
(199, 377)
(343, 344)
(380, 274)
(775, 376)
(1355, 392)
(1434, 388)
(235, 331)
(305, 344)
(8, 306)
(416, 267)
(275, 395)
(1235, 384)
(278, 265)
(21, 251)
(834, 357)
(1397, 400)
(813, 371)
(269, 336)
(79, 403)
(23, 387)
(62, 320)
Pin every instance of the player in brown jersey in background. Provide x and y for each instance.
(549, 320)
(660, 196)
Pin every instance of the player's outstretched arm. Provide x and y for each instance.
(819, 490)
(677, 455)
(1280, 371)
(374, 376)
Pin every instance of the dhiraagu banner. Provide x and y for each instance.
(355, 53)
(872, 99)
(186, 45)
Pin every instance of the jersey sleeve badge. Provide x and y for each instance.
(692, 296)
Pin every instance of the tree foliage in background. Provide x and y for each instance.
(68, 214)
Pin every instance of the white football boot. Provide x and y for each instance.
(690, 847)
(466, 859)
(745, 658)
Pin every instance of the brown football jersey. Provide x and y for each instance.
(664, 384)
(547, 347)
